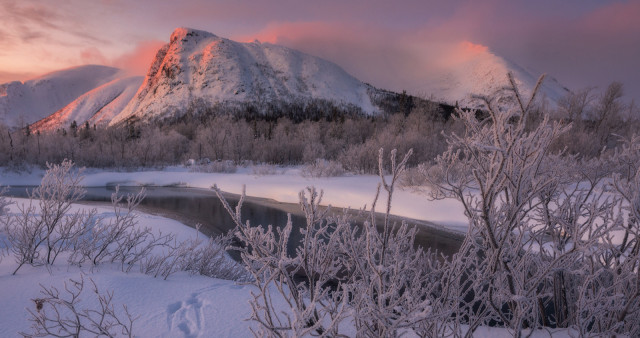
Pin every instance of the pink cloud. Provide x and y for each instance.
(369, 53)
(137, 61)
(591, 45)
(616, 18)
(387, 59)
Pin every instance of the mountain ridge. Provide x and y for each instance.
(197, 70)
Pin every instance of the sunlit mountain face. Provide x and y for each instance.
(199, 68)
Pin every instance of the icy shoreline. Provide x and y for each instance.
(355, 192)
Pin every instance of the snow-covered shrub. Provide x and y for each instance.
(209, 258)
(37, 235)
(304, 279)
(119, 239)
(415, 178)
(392, 282)
(4, 201)
(360, 158)
(322, 168)
(196, 256)
(44, 227)
(335, 272)
(69, 315)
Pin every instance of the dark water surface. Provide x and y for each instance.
(199, 206)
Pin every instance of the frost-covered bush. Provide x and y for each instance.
(540, 250)
(322, 168)
(416, 177)
(304, 280)
(69, 315)
(552, 243)
(196, 256)
(335, 273)
(120, 239)
(44, 226)
(209, 258)
(4, 202)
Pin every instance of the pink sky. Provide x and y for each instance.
(391, 44)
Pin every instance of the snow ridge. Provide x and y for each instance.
(27, 102)
(97, 106)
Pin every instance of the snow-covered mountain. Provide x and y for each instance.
(98, 106)
(197, 66)
(197, 70)
(28, 102)
(481, 72)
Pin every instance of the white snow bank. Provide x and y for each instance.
(183, 305)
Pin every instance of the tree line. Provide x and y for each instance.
(280, 137)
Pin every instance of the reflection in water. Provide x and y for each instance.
(193, 206)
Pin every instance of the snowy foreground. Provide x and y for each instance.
(190, 305)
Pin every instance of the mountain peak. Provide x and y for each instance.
(183, 34)
(475, 70)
